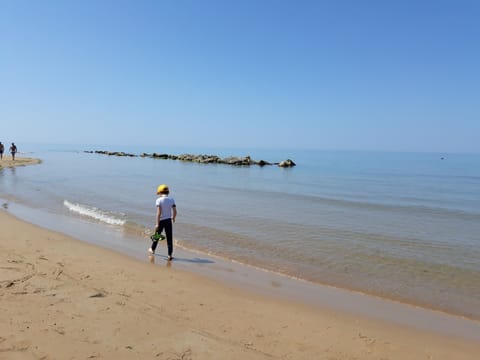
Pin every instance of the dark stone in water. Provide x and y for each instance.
(287, 163)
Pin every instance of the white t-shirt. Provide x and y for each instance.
(166, 203)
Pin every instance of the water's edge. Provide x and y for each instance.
(254, 279)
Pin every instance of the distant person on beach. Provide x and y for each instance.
(166, 214)
(13, 150)
(2, 148)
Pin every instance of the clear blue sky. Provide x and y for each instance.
(368, 75)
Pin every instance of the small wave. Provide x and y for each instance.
(93, 212)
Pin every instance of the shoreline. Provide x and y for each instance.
(244, 276)
(282, 285)
(356, 291)
(60, 291)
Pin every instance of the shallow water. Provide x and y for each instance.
(403, 226)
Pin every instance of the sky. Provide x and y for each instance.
(291, 74)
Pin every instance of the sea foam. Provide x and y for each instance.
(93, 212)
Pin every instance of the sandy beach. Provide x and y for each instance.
(19, 161)
(62, 298)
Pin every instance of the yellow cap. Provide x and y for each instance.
(163, 189)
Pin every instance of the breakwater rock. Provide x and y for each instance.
(202, 159)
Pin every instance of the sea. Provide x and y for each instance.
(400, 226)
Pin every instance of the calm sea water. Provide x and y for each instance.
(405, 226)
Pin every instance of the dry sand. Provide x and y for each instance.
(61, 298)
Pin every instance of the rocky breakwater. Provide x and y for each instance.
(202, 159)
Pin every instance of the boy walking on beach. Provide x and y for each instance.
(2, 148)
(166, 214)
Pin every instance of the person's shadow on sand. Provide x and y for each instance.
(194, 260)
